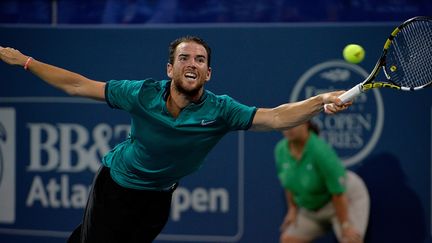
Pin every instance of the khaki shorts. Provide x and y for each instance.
(310, 225)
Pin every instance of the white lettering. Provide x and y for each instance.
(79, 195)
(57, 194)
(343, 140)
(180, 203)
(345, 131)
(37, 193)
(37, 146)
(67, 147)
(53, 189)
(200, 200)
(102, 134)
(348, 122)
(220, 195)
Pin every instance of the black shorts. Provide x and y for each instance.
(117, 214)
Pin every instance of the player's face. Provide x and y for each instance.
(190, 70)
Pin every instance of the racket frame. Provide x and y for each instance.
(369, 82)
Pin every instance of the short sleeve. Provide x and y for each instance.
(238, 116)
(122, 94)
(332, 169)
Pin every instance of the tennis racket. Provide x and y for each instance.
(406, 60)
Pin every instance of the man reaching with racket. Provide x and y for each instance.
(175, 123)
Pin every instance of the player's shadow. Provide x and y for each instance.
(396, 213)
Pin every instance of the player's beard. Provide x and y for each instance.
(191, 92)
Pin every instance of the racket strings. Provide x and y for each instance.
(409, 57)
(420, 51)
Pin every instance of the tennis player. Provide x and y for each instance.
(175, 123)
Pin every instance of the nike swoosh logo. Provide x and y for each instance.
(205, 123)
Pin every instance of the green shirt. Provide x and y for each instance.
(162, 149)
(314, 178)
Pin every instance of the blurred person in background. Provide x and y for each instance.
(319, 191)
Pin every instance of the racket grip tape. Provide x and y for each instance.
(351, 94)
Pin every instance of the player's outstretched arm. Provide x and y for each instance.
(70, 82)
(292, 114)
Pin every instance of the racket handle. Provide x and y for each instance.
(351, 94)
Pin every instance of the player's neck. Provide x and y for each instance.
(176, 101)
(183, 99)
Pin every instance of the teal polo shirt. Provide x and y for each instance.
(162, 149)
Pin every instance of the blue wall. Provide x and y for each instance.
(50, 143)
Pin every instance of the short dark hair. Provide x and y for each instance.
(176, 42)
(313, 127)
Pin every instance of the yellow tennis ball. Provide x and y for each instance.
(353, 53)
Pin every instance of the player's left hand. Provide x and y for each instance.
(12, 56)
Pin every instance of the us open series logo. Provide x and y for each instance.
(7, 165)
(354, 132)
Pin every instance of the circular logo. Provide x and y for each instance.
(352, 133)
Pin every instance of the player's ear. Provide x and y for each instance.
(208, 74)
(169, 70)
